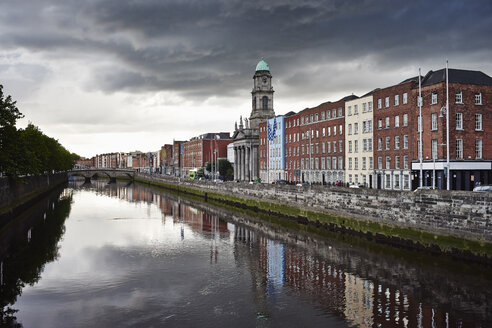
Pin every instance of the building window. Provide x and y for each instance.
(265, 102)
(459, 97)
(340, 146)
(478, 98)
(397, 142)
(388, 181)
(397, 162)
(434, 98)
(340, 114)
(380, 143)
(316, 117)
(386, 102)
(350, 163)
(329, 131)
(364, 144)
(434, 149)
(340, 163)
(478, 122)
(333, 113)
(405, 141)
(459, 148)
(349, 113)
(350, 146)
(350, 129)
(434, 121)
(459, 121)
(397, 121)
(356, 163)
(334, 163)
(356, 109)
(364, 162)
(405, 162)
(478, 148)
(387, 143)
(405, 98)
(370, 163)
(380, 123)
(369, 106)
(323, 147)
(334, 146)
(323, 132)
(356, 146)
(387, 123)
(388, 162)
(369, 144)
(380, 103)
(397, 100)
(380, 163)
(397, 181)
(356, 128)
(364, 107)
(340, 129)
(405, 119)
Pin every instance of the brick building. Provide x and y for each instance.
(205, 148)
(470, 125)
(292, 147)
(322, 145)
(166, 159)
(395, 127)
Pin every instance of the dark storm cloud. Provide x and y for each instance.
(202, 48)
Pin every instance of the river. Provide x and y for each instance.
(125, 255)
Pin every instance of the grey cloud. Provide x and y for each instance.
(204, 48)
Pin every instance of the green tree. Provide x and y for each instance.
(9, 136)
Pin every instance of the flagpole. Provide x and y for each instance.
(420, 129)
(448, 187)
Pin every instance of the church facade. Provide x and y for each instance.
(246, 135)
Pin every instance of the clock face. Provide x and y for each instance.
(264, 79)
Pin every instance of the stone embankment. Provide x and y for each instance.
(452, 221)
(16, 195)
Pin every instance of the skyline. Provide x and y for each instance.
(137, 76)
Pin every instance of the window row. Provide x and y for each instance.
(396, 164)
(366, 163)
(366, 108)
(397, 145)
(396, 101)
(323, 115)
(396, 121)
(458, 98)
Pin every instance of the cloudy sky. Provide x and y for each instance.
(121, 75)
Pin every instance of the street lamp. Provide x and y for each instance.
(445, 111)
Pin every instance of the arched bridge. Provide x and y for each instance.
(111, 173)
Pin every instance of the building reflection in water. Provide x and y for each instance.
(326, 279)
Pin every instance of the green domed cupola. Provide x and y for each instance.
(262, 66)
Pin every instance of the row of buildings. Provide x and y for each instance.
(372, 140)
(176, 159)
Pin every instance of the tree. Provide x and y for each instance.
(9, 137)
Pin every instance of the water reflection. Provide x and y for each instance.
(158, 259)
(26, 245)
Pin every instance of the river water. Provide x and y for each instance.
(125, 255)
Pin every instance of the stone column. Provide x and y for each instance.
(239, 161)
(248, 163)
(243, 163)
(235, 163)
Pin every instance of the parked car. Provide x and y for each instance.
(304, 184)
(354, 186)
(281, 182)
(483, 188)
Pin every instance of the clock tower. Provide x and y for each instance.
(262, 95)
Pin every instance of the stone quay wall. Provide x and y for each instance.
(14, 194)
(460, 214)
